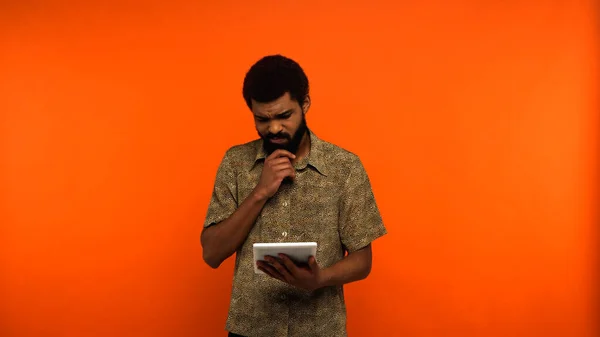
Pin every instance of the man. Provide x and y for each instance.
(289, 186)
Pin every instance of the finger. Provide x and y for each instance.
(273, 271)
(279, 161)
(281, 153)
(283, 166)
(281, 270)
(286, 173)
(269, 273)
(312, 263)
(269, 270)
(289, 264)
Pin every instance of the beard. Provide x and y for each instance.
(293, 141)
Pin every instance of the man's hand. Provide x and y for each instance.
(305, 277)
(277, 167)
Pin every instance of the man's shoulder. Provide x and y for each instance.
(338, 157)
(338, 151)
(243, 152)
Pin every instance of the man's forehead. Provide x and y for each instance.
(274, 108)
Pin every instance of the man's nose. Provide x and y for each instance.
(275, 127)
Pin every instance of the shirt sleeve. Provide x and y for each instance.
(360, 219)
(223, 201)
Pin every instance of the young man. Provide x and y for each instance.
(289, 186)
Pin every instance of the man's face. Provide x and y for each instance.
(280, 123)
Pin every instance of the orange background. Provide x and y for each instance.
(476, 120)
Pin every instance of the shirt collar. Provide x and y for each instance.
(315, 157)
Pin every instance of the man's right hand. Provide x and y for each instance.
(276, 168)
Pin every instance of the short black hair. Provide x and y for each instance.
(271, 77)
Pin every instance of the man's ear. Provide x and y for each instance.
(306, 104)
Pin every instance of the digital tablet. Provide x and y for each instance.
(299, 252)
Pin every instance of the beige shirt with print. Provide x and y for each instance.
(329, 202)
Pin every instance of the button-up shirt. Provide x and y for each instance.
(330, 202)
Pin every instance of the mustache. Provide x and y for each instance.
(278, 135)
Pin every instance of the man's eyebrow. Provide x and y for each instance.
(286, 112)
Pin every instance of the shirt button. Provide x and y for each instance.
(284, 234)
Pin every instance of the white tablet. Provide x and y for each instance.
(299, 252)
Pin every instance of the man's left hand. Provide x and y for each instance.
(305, 277)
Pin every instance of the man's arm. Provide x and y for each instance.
(220, 241)
(360, 224)
(221, 238)
(355, 266)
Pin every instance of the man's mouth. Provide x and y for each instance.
(278, 140)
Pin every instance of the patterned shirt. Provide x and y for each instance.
(329, 202)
